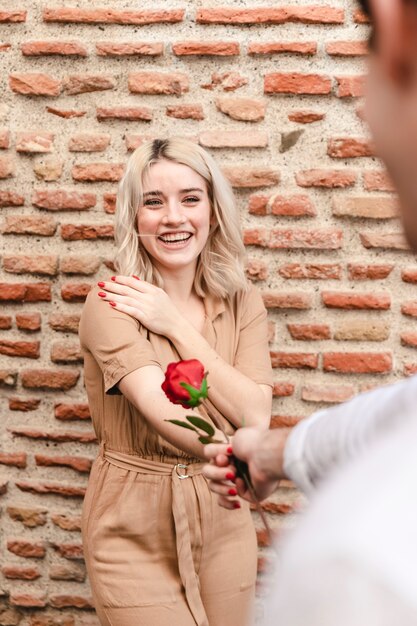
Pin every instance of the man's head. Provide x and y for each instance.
(391, 98)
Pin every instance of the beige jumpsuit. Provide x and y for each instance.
(159, 549)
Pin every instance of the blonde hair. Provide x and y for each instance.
(220, 266)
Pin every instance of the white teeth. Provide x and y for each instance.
(174, 237)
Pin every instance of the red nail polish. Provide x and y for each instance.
(102, 294)
(113, 278)
(232, 492)
(230, 476)
(137, 277)
(112, 303)
(236, 505)
(229, 450)
(101, 284)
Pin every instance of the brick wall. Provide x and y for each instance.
(274, 93)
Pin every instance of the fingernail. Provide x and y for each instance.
(236, 505)
(100, 284)
(230, 476)
(232, 492)
(137, 277)
(102, 294)
(113, 278)
(229, 450)
(112, 303)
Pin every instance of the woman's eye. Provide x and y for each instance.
(154, 203)
(191, 199)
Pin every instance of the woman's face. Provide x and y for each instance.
(174, 218)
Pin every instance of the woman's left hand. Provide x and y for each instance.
(149, 304)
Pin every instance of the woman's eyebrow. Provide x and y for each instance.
(153, 193)
(191, 189)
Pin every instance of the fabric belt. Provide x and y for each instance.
(178, 472)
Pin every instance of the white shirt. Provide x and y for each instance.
(352, 560)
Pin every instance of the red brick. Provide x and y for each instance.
(358, 271)
(20, 573)
(185, 111)
(354, 300)
(60, 48)
(48, 379)
(75, 292)
(5, 47)
(66, 113)
(66, 601)
(29, 517)
(409, 275)
(228, 81)
(296, 360)
(86, 83)
(331, 179)
(12, 16)
(357, 362)
(109, 202)
(4, 139)
(67, 572)
(368, 207)
(14, 459)
(410, 369)
(361, 330)
(306, 117)
(158, 83)
(80, 464)
(11, 198)
(35, 84)
(67, 323)
(49, 168)
(28, 600)
(5, 322)
(319, 239)
(283, 47)
(256, 269)
(29, 225)
(350, 86)
(309, 332)
(409, 308)
(350, 148)
(66, 352)
(26, 349)
(8, 378)
(45, 264)
(89, 142)
(79, 264)
(52, 488)
(26, 549)
(409, 339)
(67, 521)
(111, 16)
(7, 167)
(25, 292)
(71, 412)
(347, 48)
(248, 177)
(256, 237)
(283, 389)
(77, 232)
(388, 241)
(327, 393)
(233, 139)
(72, 551)
(374, 180)
(123, 49)
(28, 321)
(206, 48)
(281, 15)
(286, 300)
(98, 172)
(79, 436)
(133, 114)
(24, 404)
(360, 17)
(63, 199)
(243, 109)
(297, 83)
(291, 206)
(310, 270)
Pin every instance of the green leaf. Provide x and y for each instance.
(195, 394)
(205, 440)
(204, 387)
(201, 424)
(183, 424)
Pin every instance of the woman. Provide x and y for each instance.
(159, 550)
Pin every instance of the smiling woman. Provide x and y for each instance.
(154, 542)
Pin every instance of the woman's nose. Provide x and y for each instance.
(174, 213)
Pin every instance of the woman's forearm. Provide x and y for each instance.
(242, 401)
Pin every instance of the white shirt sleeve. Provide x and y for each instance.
(331, 437)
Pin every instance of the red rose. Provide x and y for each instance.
(185, 383)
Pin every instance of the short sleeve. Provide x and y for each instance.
(252, 355)
(114, 341)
